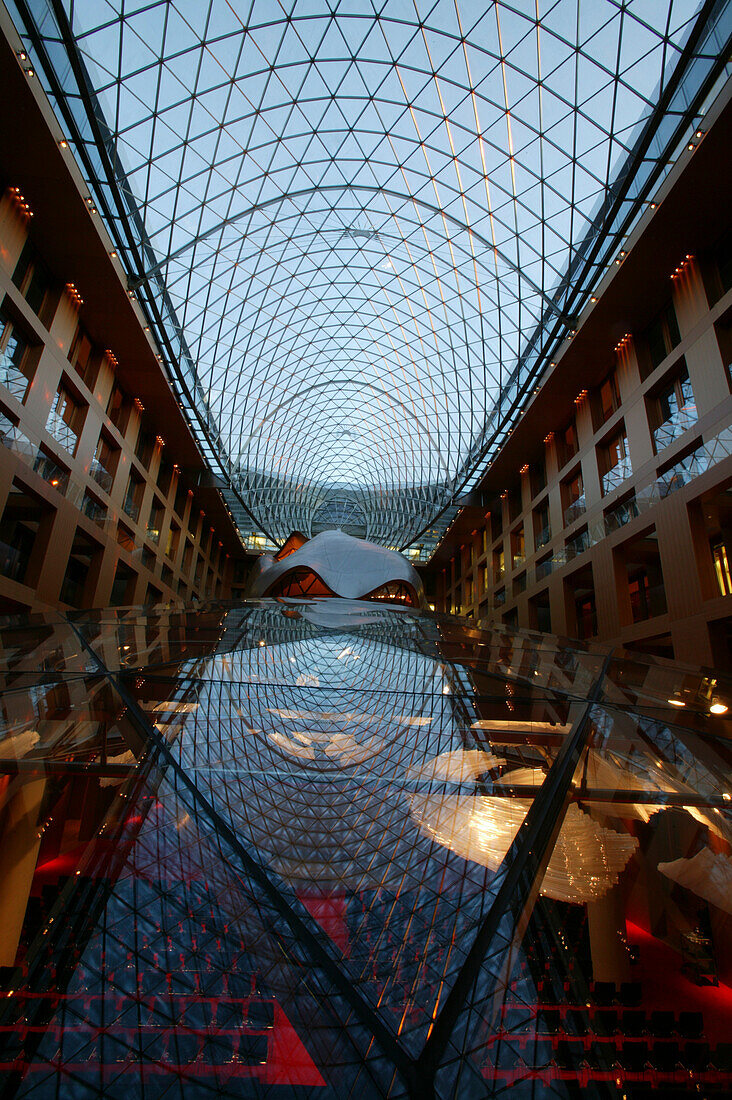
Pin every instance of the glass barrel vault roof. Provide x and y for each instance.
(360, 231)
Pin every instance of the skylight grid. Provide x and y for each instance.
(369, 217)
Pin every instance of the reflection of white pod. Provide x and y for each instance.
(20, 744)
(585, 861)
(708, 874)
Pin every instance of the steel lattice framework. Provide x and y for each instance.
(340, 816)
(362, 230)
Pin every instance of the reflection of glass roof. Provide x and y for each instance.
(289, 849)
(360, 234)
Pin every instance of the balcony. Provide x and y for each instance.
(684, 471)
(61, 431)
(574, 510)
(15, 440)
(13, 379)
(94, 510)
(51, 472)
(647, 602)
(672, 428)
(543, 568)
(543, 537)
(617, 475)
(621, 514)
(102, 476)
(578, 544)
(132, 508)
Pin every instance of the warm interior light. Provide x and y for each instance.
(676, 702)
(718, 708)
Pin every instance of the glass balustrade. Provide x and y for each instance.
(617, 475)
(12, 378)
(50, 471)
(543, 537)
(132, 508)
(676, 425)
(94, 509)
(102, 476)
(682, 472)
(621, 514)
(62, 432)
(574, 510)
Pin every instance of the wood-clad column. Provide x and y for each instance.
(19, 845)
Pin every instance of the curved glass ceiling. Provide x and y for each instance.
(360, 230)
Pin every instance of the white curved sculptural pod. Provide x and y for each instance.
(350, 567)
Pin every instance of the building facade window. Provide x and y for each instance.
(586, 613)
(133, 496)
(518, 547)
(14, 366)
(661, 337)
(499, 565)
(81, 356)
(542, 527)
(672, 410)
(722, 570)
(104, 464)
(567, 443)
(33, 280)
(606, 400)
(118, 408)
(144, 449)
(537, 477)
(614, 461)
(155, 521)
(65, 420)
(573, 498)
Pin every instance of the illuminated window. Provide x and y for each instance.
(721, 568)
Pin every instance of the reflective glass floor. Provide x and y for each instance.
(298, 848)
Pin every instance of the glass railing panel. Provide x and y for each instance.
(683, 472)
(132, 508)
(13, 379)
(574, 510)
(50, 471)
(62, 432)
(676, 425)
(615, 477)
(101, 475)
(577, 545)
(543, 537)
(15, 440)
(94, 509)
(621, 514)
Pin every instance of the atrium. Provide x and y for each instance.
(366, 486)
